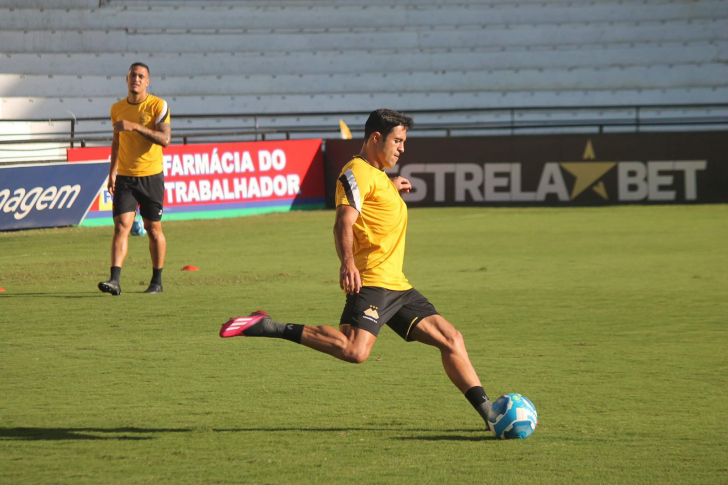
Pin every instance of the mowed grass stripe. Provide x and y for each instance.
(611, 320)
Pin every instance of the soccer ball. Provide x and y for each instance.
(512, 417)
(137, 228)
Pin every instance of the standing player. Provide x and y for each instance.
(369, 233)
(136, 178)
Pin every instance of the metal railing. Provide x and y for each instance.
(548, 119)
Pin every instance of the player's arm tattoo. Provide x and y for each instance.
(161, 136)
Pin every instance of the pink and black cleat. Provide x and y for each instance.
(236, 326)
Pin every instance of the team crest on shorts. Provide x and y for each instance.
(371, 313)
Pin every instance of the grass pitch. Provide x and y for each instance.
(611, 320)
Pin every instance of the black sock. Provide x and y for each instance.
(115, 273)
(272, 329)
(293, 332)
(156, 276)
(479, 400)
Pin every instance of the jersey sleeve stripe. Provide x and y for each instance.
(348, 182)
(165, 111)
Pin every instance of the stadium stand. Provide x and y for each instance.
(302, 64)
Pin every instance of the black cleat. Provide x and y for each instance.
(110, 286)
(488, 406)
(154, 288)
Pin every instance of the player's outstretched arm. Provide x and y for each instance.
(349, 277)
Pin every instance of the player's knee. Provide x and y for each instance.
(355, 356)
(154, 231)
(453, 340)
(121, 230)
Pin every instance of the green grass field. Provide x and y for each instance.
(611, 320)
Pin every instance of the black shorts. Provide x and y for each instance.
(374, 307)
(147, 193)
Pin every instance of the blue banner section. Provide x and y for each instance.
(48, 195)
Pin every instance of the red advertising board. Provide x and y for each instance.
(228, 179)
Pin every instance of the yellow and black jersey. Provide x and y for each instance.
(139, 157)
(379, 232)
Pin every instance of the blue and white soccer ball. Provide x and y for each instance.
(137, 228)
(512, 417)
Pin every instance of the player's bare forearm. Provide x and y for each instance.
(349, 277)
(161, 135)
(344, 240)
(113, 165)
(344, 232)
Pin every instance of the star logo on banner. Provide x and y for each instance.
(588, 173)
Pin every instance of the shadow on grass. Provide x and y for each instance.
(53, 295)
(445, 438)
(62, 434)
(131, 434)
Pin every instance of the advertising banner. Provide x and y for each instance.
(48, 195)
(228, 179)
(556, 170)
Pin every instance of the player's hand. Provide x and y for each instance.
(124, 125)
(402, 184)
(349, 278)
(111, 184)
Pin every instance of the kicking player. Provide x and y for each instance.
(369, 233)
(136, 178)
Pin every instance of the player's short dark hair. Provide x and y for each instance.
(384, 121)
(140, 64)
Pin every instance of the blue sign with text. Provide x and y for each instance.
(48, 195)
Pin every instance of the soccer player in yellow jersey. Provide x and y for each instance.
(136, 178)
(369, 233)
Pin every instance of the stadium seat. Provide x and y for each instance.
(369, 60)
(286, 60)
